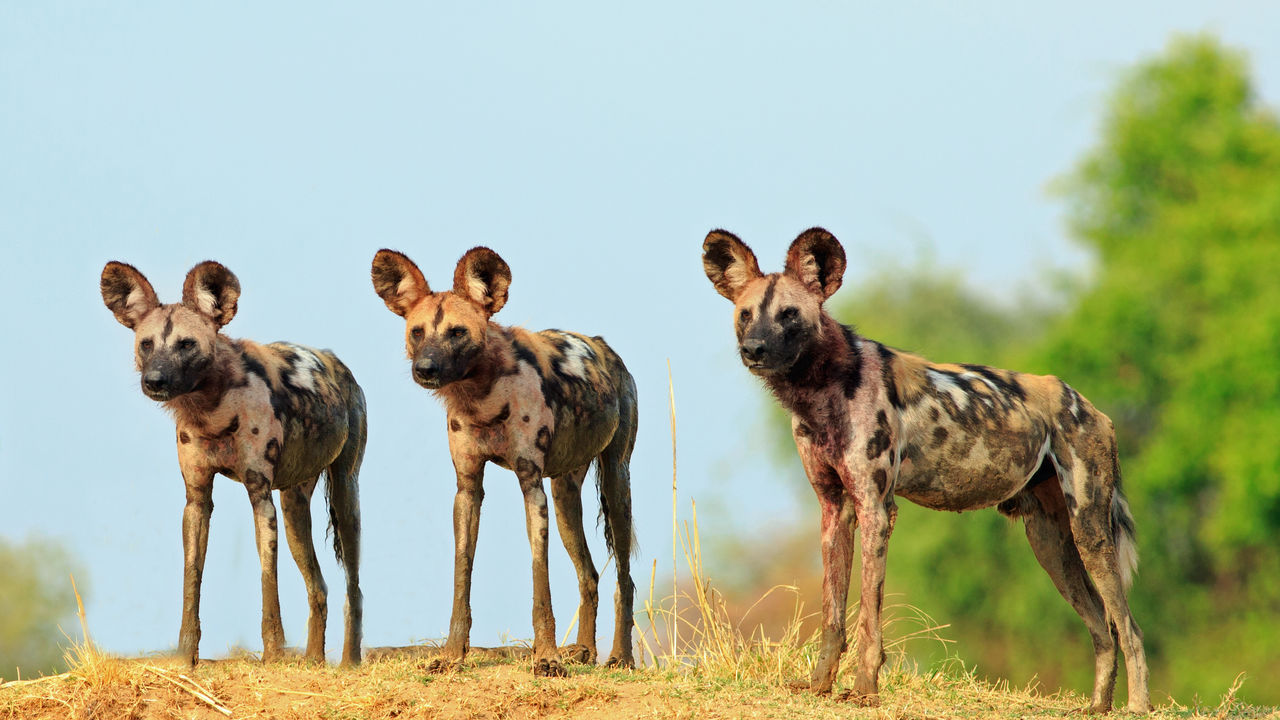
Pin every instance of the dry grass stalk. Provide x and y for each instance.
(191, 687)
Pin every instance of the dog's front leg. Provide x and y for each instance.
(466, 525)
(195, 540)
(546, 658)
(267, 537)
(838, 522)
(876, 513)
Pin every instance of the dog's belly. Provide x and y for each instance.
(974, 471)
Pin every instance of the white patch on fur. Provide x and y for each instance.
(1126, 549)
(136, 302)
(406, 286)
(945, 383)
(574, 355)
(477, 289)
(206, 302)
(736, 274)
(304, 368)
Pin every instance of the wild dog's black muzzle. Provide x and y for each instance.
(753, 351)
(157, 385)
(426, 372)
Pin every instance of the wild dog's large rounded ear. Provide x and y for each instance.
(728, 262)
(213, 291)
(126, 293)
(816, 259)
(398, 281)
(483, 277)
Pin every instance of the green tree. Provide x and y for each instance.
(1179, 340)
(35, 598)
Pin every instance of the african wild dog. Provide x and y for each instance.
(543, 404)
(870, 422)
(273, 417)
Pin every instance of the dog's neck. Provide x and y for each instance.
(829, 367)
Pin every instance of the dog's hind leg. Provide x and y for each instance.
(295, 505)
(614, 479)
(566, 493)
(343, 493)
(1044, 512)
(266, 536)
(1090, 463)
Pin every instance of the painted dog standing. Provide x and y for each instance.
(543, 404)
(870, 422)
(273, 417)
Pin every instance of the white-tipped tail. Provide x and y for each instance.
(1122, 531)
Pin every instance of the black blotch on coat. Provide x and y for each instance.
(272, 454)
(881, 479)
(853, 376)
(254, 430)
(1003, 382)
(543, 441)
(525, 418)
(526, 468)
(888, 377)
(881, 439)
(231, 428)
(939, 436)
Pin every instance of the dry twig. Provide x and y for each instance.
(195, 690)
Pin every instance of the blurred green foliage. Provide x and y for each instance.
(1177, 337)
(36, 605)
(1179, 341)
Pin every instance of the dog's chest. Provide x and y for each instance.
(512, 421)
(242, 433)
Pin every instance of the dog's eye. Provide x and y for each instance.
(186, 345)
(457, 332)
(788, 314)
(744, 315)
(146, 345)
(416, 333)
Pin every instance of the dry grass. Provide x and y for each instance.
(491, 687)
(697, 662)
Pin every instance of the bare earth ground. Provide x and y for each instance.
(394, 683)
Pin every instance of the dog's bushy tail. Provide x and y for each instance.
(1123, 533)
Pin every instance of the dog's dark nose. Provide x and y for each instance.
(154, 381)
(426, 370)
(752, 350)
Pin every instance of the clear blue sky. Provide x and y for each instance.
(592, 146)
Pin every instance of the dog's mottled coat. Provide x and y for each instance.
(273, 417)
(543, 404)
(871, 422)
